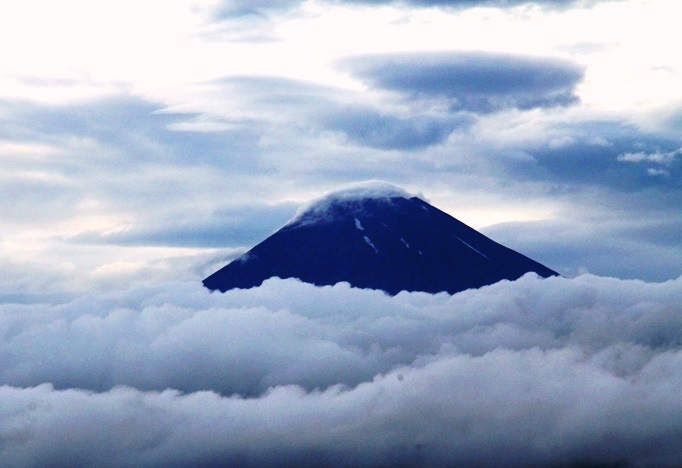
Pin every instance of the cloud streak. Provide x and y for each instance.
(473, 81)
(473, 3)
(584, 371)
(259, 8)
(223, 227)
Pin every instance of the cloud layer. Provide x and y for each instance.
(535, 371)
(240, 8)
(473, 81)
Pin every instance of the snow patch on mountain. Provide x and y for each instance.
(371, 244)
(472, 248)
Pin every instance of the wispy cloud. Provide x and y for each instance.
(658, 157)
(240, 8)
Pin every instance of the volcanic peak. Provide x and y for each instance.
(376, 236)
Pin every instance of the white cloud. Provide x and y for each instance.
(664, 158)
(658, 172)
(527, 372)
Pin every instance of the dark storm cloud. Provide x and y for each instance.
(586, 164)
(472, 81)
(533, 372)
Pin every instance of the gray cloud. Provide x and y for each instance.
(124, 154)
(584, 370)
(579, 156)
(241, 8)
(324, 109)
(121, 152)
(619, 161)
(230, 9)
(222, 227)
(120, 128)
(473, 81)
(384, 131)
(474, 3)
(637, 244)
(552, 5)
(621, 195)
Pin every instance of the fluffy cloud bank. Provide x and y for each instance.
(546, 372)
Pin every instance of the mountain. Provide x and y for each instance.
(375, 235)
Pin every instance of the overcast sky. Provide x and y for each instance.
(144, 144)
(142, 141)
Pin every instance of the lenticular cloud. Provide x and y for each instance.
(542, 372)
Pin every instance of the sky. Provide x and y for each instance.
(148, 142)
(144, 145)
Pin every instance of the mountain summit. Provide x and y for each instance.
(377, 236)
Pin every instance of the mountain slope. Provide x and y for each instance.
(378, 237)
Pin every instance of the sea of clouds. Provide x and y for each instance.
(537, 371)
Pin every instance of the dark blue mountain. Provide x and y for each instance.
(378, 237)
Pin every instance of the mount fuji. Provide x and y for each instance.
(375, 235)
